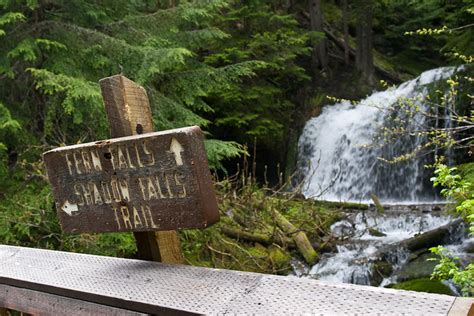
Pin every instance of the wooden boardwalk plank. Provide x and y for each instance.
(39, 303)
(153, 287)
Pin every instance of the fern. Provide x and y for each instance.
(218, 150)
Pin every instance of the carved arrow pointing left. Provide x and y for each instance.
(69, 208)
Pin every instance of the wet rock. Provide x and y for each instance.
(378, 271)
(330, 247)
(343, 228)
(420, 267)
(360, 276)
(469, 246)
(376, 233)
(431, 238)
(417, 253)
(300, 269)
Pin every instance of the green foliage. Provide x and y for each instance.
(218, 150)
(53, 54)
(28, 219)
(261, 108)
(448, 269)
(460, 191)
(456, 189)
(8, 126)
(60, 63)
(466, 171)
(409, 31)
(240, 70)
(196, 67)
(8, 18)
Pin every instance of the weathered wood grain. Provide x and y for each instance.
(135, 183)
(40, 303)
(127, 106)
(462, 306)
(129, 113)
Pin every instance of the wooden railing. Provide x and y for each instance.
(48, 282)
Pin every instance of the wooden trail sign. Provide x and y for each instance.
(128, 113)
(154, 181)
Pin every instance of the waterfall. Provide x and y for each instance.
(338, 165)
(341, 158)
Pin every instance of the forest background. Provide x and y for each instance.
(250, 73)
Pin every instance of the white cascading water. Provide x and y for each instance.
(351, 263)
(339, 167)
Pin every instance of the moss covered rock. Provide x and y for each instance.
(280, 260)
(423, 285)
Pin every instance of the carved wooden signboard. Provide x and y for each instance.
(155, 181)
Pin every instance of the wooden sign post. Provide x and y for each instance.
(151, 184)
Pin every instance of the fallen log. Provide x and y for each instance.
(262, 238)
(344, 205)
(300, 238)
(378, 205)
(240, 219)
(431, 238)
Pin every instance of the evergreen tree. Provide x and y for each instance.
(261, 108)
(53, 54)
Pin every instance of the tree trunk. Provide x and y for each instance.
(364, 56)
(320, 55)
(345, 27)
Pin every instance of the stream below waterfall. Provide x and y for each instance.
(374, 248)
